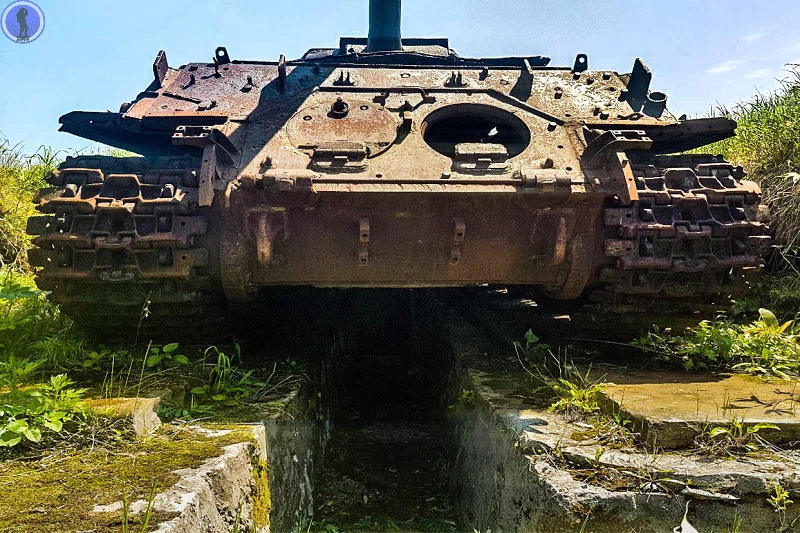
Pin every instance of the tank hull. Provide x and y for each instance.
(412, 168)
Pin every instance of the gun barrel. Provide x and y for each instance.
(384, 26)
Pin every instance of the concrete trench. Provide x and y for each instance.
(416, 419)
(519, 467)
(369, 437)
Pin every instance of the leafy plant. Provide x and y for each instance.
(14, 372)
(165, 356)
(533, 351)
(575, 392)
(227, 379)
(100, 359)
(780, 498)
(770, 346)
(766, 346)
(780, 501)
(26, 414)
(735, 438)
(227, 385)
(466, 398)
(12, 291)
(13, 294)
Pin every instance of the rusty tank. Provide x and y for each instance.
(385, 163)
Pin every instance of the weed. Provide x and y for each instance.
(20, 177)
(532, 351)
(466, 398)
(733, 439)
(25, 414)
(227, 383)
(780, 501)
(146, 516)
(148, 513)
(164, 357)
(14, 373)
(767, 143)
(612, 430)
(103, 358)
(376, 523)
(736, 525)
(598, 455)
(765, 347)
(574, 392)
(32, 328)
(237, 524)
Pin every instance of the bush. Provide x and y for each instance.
(765, 347)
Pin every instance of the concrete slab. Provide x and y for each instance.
(520, 467)
(226, 493)
(671, 409)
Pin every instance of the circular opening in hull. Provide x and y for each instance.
(474, 123)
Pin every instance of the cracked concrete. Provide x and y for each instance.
(214, 497)
(519, 467)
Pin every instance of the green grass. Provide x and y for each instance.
(33, 328)
(20, 177)
(767, 144)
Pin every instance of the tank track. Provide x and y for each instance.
(689, 243)
(124, 249)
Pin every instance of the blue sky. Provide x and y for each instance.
(95, 54)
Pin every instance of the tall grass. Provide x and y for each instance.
(20, 177)
(767, 144)
(31, 328)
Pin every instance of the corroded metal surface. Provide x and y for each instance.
(387, 167)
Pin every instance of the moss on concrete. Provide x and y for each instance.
(262, 504)
(58, 493)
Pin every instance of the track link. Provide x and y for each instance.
(123, 247)
(692, 239)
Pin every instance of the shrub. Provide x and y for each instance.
(766, 346)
